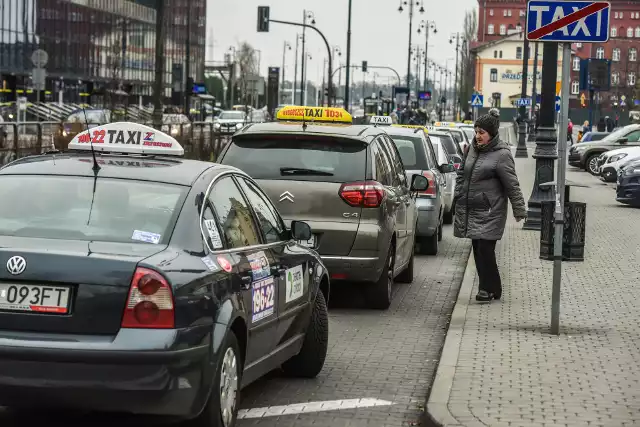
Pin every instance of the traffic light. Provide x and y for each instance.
(364, 66)
(263, 19)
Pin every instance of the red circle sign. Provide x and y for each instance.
(225, 264)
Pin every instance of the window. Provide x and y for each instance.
(576, 63)
(397, 168)
(633, 54)
(234, 214)
(411, 150)
(614, 32)
(490, 12)
(509, 12)
(616, 54)
(268, 219)
(615, 78)
(579, 45)
(382, 165)
(503, 30)
(600, 53)
(638, 32)
(575, 87)
(621, 15)
(523, 13)
(504, 12)
(632, 79)
(629, 32)
(518, 52)
(494, 75)
(616, 15)
(634, 136)
(495, 53)
(490, 29)
(500, 54)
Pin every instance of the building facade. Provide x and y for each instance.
(96, 47)
(498, 19)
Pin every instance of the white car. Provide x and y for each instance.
(610, 162)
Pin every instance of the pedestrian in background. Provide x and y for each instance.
(484, 185)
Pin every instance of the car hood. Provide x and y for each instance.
(229, 121)
(626, 150)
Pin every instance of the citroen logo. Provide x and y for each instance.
(16, 265)
(286, 196)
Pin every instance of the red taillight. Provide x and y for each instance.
(150, 302)
(366, 194)
(456, 166)
(431, 190)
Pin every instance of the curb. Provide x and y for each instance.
(437, 409)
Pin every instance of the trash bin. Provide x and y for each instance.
(573, 238)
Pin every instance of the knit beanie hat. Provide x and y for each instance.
(490, 122)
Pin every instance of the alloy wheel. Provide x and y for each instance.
(228, 386)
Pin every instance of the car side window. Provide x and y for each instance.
(268, 218)
(235, 217)
(211, 228)
(432, 153)
(395, 155)
(389, 149)
(634, 136)
(383, 168)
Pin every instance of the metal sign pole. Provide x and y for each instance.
(560, 186)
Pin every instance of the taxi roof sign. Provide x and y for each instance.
(126, 137)
(314, 114)
(424, 128)
(381, 120)
(445, 124)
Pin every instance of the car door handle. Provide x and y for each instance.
(246, 282)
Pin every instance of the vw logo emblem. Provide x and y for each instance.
(16, 265)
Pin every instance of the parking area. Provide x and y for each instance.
(380, 364)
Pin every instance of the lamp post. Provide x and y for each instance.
(306, 16)
(232, 77)
(295, 67)
(455, 81)
(534, 95)
(521, 149)
(411, 4)
(417, 52)
(308, 57)
(427, 25)
(286, 46)
(334, 50)
(348, 70)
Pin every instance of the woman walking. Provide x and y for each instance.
(484, 183)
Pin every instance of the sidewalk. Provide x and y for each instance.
(501, 367)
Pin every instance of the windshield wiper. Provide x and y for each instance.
(303, 171)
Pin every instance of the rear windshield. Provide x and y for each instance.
(65, 207)
(457, 135)
(299, 158)
(447, 142)
(469, 133)
(232, 115)
(411, 151)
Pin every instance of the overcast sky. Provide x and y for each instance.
(380, 33)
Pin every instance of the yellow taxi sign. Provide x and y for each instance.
(445, 124)
(411, 127)
(314, 114)
(468, 122)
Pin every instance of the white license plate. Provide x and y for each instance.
(311, 243)
(35, 298)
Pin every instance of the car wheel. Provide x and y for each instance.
(440, 232)
(609, 176)
(447, 218)
(380, 295)
(222, 407)
(592, 164)
(309, 362)
(429, 245)
(407, 275)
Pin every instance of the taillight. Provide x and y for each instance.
(456, 166)
(150, 302)
(431, 190)
(366, 194)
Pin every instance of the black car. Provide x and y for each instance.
(628, 187)
(138, 281)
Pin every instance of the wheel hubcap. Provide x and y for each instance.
(592, 165)
(228, 386)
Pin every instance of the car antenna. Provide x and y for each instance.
(96, 166)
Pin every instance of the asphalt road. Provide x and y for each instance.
(378, 371)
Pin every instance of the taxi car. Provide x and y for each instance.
(458, 134)
(347, 181)
(137, 281)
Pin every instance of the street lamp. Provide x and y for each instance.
(307, 16)
(411, 4)
(287, 46)
(427, 26)
(334, 50)
(457, 37)
(418, 53)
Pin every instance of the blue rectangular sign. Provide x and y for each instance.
(568, 21)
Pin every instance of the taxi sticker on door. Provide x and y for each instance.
(263, 298)
(295, 283)
(260, 267)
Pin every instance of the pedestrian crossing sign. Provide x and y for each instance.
(477, 100)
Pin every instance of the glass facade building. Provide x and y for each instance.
(97, 46)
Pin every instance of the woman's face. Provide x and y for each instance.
(482, 136)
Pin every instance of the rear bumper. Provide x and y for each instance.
(575, 159)
(628, 193)
(357, 269)
(141, 381)
(428, 217)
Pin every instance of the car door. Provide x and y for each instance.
(633, 138)
(252, 259)
(290, 267)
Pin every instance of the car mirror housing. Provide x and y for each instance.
(300, 230)
(447, 167)
(419, 183)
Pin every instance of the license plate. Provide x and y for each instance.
(34, 298)
(311, 243)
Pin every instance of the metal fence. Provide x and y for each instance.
(199, 139)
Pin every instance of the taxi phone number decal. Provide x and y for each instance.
(262, 295)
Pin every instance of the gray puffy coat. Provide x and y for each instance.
(483, 185)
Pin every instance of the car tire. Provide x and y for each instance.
(309, 362)
(609, 176)
(380, 296)
(429, 245)
(440, 232)
(407, 275)
(228, 368)
(447, 218)
(590, 164)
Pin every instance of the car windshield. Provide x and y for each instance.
(617, 134)
(298, 158)
(257, 116)
(65, 207)
(447, 142)
(232, 115)
(411, 151)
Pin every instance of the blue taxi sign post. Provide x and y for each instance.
(523, 102)
(477, 101)
(568, 21)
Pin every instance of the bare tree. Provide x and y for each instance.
(467, 57)
(114, 69)
(246, 58)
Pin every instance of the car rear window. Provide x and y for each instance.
(447, 142)
(65, 207)
(411, 151)
(298, 158)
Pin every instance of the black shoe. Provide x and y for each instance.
(484, 296)
(497, 296)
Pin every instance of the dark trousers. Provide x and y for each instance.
(484, 253)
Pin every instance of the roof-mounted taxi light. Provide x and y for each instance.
(126, 137)
(416, 127)
(381, 121)
(445, 124)
(314, 115)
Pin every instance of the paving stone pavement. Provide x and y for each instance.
(501, 367)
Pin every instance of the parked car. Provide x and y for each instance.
(594, 136)
(419, 156)
(445, 145)
(457, 134)
(347, 182)
(229, 122)
(585, 154)
(610, 162)
(628, 185)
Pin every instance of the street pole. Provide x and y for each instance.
(546, 139)
(534, 94)
(284, 51)
(304, 30)
(348, 65)
(409, 50)
(187, 67)
(455, 81)
(560, 185)
(521, 149)
(158, 86)
(426, 54)
(295, 72)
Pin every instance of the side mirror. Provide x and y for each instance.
(300, 230)
(447, 167)
(623, 140)
(419, 183)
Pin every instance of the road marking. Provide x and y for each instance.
(304, 408)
